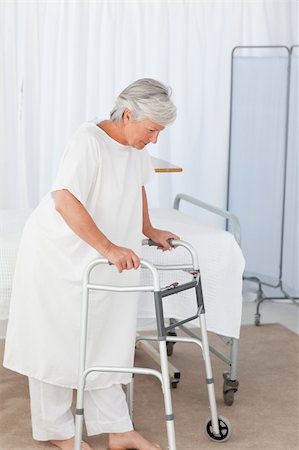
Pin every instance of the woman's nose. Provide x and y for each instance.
(154, 137)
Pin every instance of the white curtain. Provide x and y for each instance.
(63, 62)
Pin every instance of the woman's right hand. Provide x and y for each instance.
(123, 258)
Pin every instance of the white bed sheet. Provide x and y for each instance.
(221, 265)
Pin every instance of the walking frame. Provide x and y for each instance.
(217, 428)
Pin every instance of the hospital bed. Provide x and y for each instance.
(221, 265)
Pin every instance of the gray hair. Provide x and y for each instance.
(146, 99)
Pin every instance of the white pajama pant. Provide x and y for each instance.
(105, 411)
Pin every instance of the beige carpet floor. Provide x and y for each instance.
(264, 415)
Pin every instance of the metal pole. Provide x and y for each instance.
(287, 142)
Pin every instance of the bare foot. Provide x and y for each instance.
(130, 440)
(68, 444)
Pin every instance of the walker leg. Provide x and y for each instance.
(79, 418)
(209, 374)
(130, 397)
(167, 395)
(81, 383)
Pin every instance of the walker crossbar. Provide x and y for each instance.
(182, 339)
(103, 287)
(215, 432)
(185, 267)
(133, 370)
(212, 349)
(181, 287)
(180, 322)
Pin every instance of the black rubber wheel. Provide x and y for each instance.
(224, 429)
(169, 347)
(229, 389)
(228, 397)
(174, 383)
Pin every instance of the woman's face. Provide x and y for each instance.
(139, 133)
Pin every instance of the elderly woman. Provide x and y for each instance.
(96, 206)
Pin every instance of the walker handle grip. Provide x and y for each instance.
(152, 243)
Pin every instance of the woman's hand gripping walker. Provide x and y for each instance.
(216, 428)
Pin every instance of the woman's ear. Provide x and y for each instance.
(127, 116)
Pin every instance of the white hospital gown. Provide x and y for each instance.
(44, 323)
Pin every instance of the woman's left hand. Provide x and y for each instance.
(161, 237)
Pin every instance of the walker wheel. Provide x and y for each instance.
(225, 429)
(228, 397)
(169, 345)
(174, 383)
(229, 389)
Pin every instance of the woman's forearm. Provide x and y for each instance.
(80, 221)
(146, 223)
